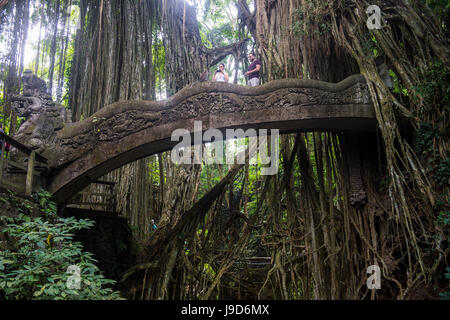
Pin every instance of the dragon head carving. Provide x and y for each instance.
(42, 117)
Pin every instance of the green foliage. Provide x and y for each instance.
(446, 295)
(444, 218)
(298, 26)
(441, 9)
(443, 172)
(35, 266)
(435, 90)
(218, 26)
(46, 205)
(438, 5)
(398, 85)
(22, 206)
(425, 136)
(159, 58)
(68, 70)
(209, 270)
(310, 19)
(438, 168)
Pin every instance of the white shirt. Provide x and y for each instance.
(220, 77)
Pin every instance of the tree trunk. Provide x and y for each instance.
(53, 48)
(107, 67)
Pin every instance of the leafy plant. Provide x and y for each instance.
(36, 264)
(46, 205)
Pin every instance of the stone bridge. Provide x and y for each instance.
(126, 131)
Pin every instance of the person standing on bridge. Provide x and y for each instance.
(221, 75)
(253, 70)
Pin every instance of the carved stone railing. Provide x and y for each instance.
(123, 119)
(130, 130)
(82, 152)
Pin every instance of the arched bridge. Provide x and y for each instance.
(127, 131)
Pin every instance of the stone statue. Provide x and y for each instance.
(32, 85)
(42, 116)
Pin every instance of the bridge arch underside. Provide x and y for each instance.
(355, 115)
(109, 156)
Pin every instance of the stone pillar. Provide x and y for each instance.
(353, 149)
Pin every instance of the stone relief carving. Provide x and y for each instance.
(107, 126)
(42, 116)
(47, 126)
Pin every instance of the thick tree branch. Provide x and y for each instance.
(217, 54)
